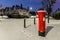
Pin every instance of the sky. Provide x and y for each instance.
(56, 5)
(35, 4)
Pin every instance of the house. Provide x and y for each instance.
(16, 11)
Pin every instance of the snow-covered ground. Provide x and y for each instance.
(13, 29)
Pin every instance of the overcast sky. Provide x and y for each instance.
(35, 4)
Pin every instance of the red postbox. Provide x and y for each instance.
(41, 22)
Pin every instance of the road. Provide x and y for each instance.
(13, 29)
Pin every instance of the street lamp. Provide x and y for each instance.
(30, 8)
(25, 17)
(34, 17)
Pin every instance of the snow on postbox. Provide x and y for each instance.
(41, 22)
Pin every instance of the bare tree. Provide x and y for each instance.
(21, 6)
(0, 6)
(47, 5)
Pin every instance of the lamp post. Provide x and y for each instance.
(25, 17)
(34, 17)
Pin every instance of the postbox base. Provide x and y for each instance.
(42, 34)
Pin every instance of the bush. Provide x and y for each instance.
(23, 16)
(56, 16)
(17, 16)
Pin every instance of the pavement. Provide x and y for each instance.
(13, 29)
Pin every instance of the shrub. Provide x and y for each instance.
(56, 16)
